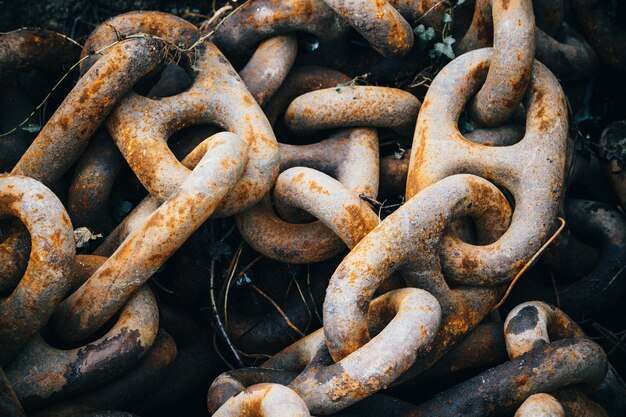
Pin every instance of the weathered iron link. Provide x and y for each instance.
(269, 66)
(333, 46)
(224, 159)
(351, 155)
(46, 279)
(540, 405)
(405, 322)
(534, 324)
(532, 169)
(503, 389)
(382, 25)
(124, 390)
(557, 45)
(65, 136)
(353, 106)
(408, 240)
(264, 400)
(302, 80)
(141, 126)
(512, 62)
(41, 373)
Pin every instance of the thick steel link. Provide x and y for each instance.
(351, 155)
(141, 127)
(47, 277)
(513, 24)
(160, 235)
(532, 169)
(124, 390)
(379, 22)
(540, 405)
(353, 106)
(41, 373)
(535, 324)
(409, 240)
(405, 322)
(264, 400)
(269, 66)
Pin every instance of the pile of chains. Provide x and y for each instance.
(268, 194)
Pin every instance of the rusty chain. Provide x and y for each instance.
(385, 191)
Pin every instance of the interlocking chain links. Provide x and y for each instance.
(502, 389)
(563, 51)
(46, 279)
(382, 25)
(605, 283)
(141, 126)
(41, 373)
(224, 158)
(540, 405)
(532, 169)
(22, 50)
(137, 217)
(604, 29)
(351, 155)
(353, 106)
(257, 20)
(123, 391)
(533, 325)
(65, 136)
(94, 176)
(409, 240)
(269, 66)
(264, 400)
(511, 66)
(405, 322)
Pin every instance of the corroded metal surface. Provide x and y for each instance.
(540, 405)
(378, 22)
(141, 126)
(353, 106)
(510, 70)
(328, 387)
(41, 373)
(351, 157)
(264, 400)
(269, 66)
(532, 169)
(399, 244)
(224, 159)
(45, 281)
